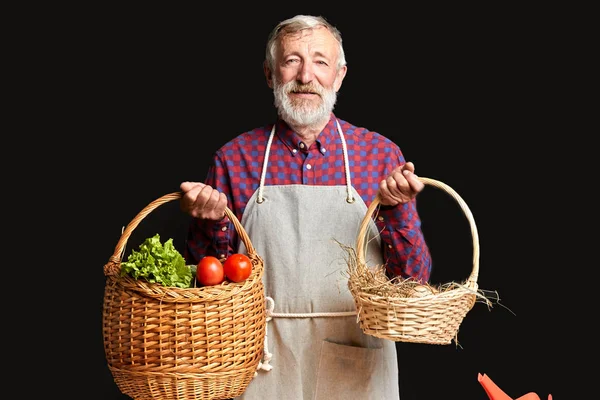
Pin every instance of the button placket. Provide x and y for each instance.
(307, 176)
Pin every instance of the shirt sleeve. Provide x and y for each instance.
(207, 237)
(405, 251)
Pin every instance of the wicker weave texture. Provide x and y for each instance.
(171, 343)
(431, 319)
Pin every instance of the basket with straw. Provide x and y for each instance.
(403, 309)
(197, 343)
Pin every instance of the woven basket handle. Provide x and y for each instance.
(361, 241)
(113, 267)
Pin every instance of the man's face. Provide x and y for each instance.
(306, 78)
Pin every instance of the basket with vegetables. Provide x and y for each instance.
(406, 310)
(168, 337)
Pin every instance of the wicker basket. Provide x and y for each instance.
(433, 318)
(173, 343)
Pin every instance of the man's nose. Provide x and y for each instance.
(305, 73)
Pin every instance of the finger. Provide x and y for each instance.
(398, 184)
(222, 204)
(391, 184)
(384, 193)
(409, 166)
(212, 199)
(187, 186)
(190, 196)
(202, 198)
(215, 206)
(413, 180)
(211, 204)
(383, 189)
(386, 197)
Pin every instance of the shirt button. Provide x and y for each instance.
(323, 150)
(224, 228)
(380, 218)
(294, 151)
(389, 246)
(301, 145)
(308, 166)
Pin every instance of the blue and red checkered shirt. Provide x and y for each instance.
(237, 167)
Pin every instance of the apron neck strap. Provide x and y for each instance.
(349, 197)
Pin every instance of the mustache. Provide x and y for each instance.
(304, 88)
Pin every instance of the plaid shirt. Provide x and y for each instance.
(237, 167)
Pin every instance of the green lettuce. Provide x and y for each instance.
(158, 263)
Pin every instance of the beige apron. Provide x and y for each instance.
(314, 348)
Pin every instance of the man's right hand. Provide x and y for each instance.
(202, 201)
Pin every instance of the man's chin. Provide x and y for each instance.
(305, 105)
(306, 119)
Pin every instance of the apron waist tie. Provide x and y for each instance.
(270, 306)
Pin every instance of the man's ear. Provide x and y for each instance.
(341, 74)
(268, 74)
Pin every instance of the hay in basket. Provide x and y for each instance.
(403, 309)
(167, 343)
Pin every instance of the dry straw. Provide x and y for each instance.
(166, 343)
(403, 309)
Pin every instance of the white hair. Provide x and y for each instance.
(297, 24)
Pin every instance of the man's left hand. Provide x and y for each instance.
(401, 186)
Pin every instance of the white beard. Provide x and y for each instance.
(303, 112)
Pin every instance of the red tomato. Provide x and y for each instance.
(237, 267)
(210, 271)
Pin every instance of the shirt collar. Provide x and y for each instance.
(325, 140)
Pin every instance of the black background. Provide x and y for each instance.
(152, 92)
